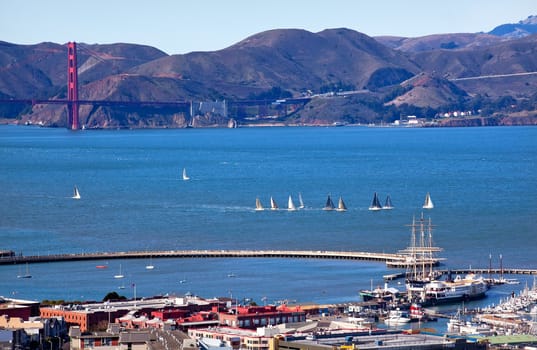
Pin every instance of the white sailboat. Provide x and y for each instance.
(341, 205)
(329, 204)
(300, 201)
(150, 266)
(428, 204)
(76, 193)
(258, 205)
(185, 176)
(25, 275)
(375, 203)
(120, 274)
(290, 204)
(388, 204)
(273, 205)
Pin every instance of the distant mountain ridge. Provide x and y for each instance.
(517, 30)
(335, 76)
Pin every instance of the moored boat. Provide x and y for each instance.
(465, 288)
(397, 318)
(150, 266)
(386, 293)
(120, 274)
(25, 275)
(423, 283)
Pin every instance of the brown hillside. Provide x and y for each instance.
(295, 60)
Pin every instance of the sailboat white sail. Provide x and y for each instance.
(300, 201)
(185, 176)
(341, 205)
(329, 204)
(388, 204)
(290, 204)
(273, 204)
(120, 274)
(428, 204)
(375, 203)
(258, 205)
(76, 193)
(25, 275)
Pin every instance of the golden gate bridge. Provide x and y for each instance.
(73, 102)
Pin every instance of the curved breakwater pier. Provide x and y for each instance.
(389, 259)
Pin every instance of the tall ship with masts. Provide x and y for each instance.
(423, 282)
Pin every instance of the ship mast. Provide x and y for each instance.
(421, 251)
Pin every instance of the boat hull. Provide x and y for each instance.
(443, 292)
(432, 301)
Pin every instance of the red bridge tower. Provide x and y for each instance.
(72, 86)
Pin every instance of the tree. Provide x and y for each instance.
(113, 296)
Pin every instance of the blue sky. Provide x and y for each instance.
(177, 26)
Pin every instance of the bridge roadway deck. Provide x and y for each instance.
(299, 254)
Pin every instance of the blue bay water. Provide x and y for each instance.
(483, 182)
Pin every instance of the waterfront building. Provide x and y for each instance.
(398, 341)
(235, 338)
(97, 316)
(252, 317)
(19, 308)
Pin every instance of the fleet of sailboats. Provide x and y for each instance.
(329, 205)
(428, 204)
(76, 193)
(274, 206)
